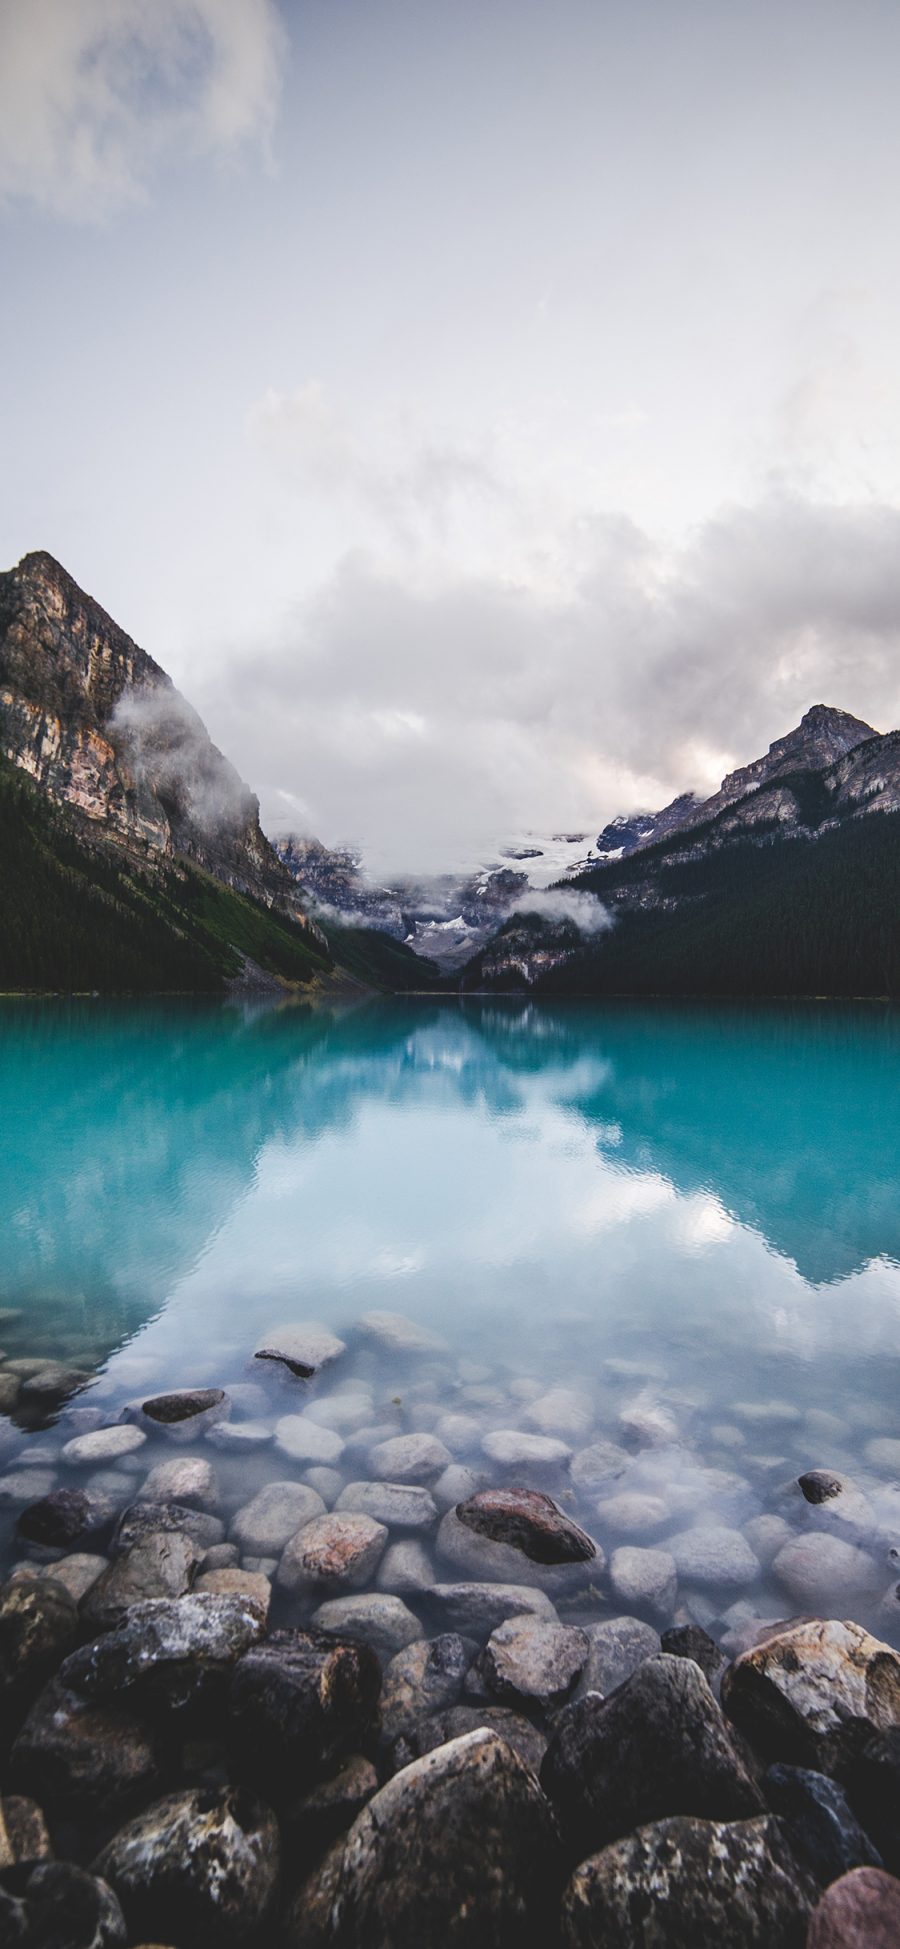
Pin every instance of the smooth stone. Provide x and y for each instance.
(713, 1557)
(301, 1343)
(810, 1694)
(186, 1413)
(175, 1647)
(240, 1437)
(327, 1483)
(658, 1745)
(601, 1463)
(187, 1480)
(222, 1556)
(333, 1552)
(519, 1733)
(233, 1581)
(72, 1754)
(562, 1411)
(615, 1649)
(65, 1517)
(647, 1423)
(409, 1458)
(767, 1535)
(422, 1679)
(457, 1847)
(644, 1579)
(142, 1519)
(262, 1527)
(161, 1564)
(260, 1566)
(884, 1454)
(53, 1383)
(532, 1662)
(307, 1441)
(531, 1522)
(10, 1389)
(104, 1445)
(477, 1556)
(454, 1485)
(477, 1608)
(516, 1448)
(405, 1567)
(77, 1573)
(343, 1412)
(690, 1884)
(382, 1621)
(859, 1911)
(298, 1704)
(459, 1430)
(823, 1573)
(26, 1485)
(823, 1829)
(399, 1333)
(400, 1505)
(631, 1513)
(196, 1866)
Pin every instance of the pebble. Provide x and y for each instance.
(822, 1573)
(104, 1445)
(713, 1557)
(516, 1448)
(341, 1410)
(644, 1579)
(405, 1567)
(562, 1411)
(649, 1424)
(240, 1437)
(454, 1485)
(27, 1485)
(409, 1458)
(601, 1463)
(307, 1441)
(767, 1535)
(262, 1527)
(399, 1505)
(327, 1482)
(337, 1552)
(632, 1514)
(187, 1479)
(384, 1622)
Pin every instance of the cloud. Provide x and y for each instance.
(96, 96)
(429, 720)
(170, 755)
(584, 911)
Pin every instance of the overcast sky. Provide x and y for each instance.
(488, 411)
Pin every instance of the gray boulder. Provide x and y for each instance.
(176, 1649)
(422, 1679)
(162, 1564)
(532, 1662)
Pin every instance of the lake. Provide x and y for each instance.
(664, 1236)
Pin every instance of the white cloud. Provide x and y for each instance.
(97, 95)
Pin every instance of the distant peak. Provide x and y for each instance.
(831, 714)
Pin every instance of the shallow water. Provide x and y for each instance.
(686, 1213)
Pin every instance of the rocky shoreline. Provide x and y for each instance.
(387, 1697)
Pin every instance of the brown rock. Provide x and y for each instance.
(336, 1552)
(530, 1521)
(860, 1911)
(814, 1693)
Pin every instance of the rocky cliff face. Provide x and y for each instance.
(96, 722)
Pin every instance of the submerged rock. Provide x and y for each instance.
(480, 1557)
(302, 1346)
(405, 1567)
(188, 1480)
(400, 1505)
(529, 1521)
(196, 1866)
(305, 1440)
(333, 1552)
(384, 1622)
(478, 1608)
(263, 1527)
(186, 1413)
(659, 1745)
(66, 1516)
(594, 1467)
(410, 1458)
(143, 1519)
(691, 1884)
(715, 1558)
(517, 1448)
(400, 1334)
(103, 1445)
(823, 1573)
(814, 1693)
(457, 1847)
(646, 1580)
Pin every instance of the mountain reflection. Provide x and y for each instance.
(132, 1133)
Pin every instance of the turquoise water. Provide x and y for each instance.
(696, 1205)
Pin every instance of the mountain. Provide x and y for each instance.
(103, 730)
(785, 881)
(131, 854)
